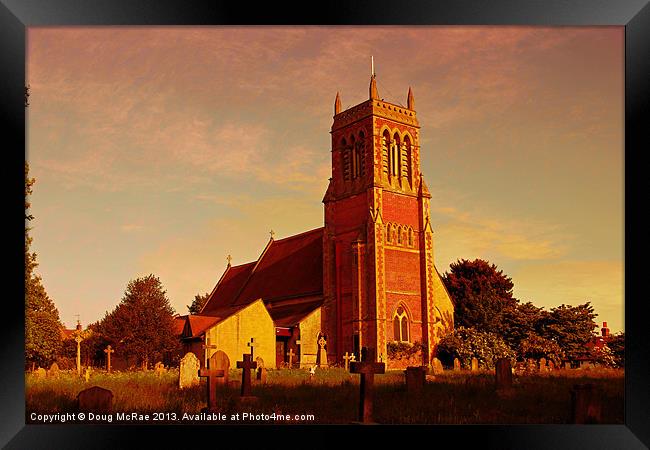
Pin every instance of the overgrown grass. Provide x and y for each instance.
(332, 396)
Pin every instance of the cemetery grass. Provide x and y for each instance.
(332, 396)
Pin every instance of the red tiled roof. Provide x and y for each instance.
(225, 293)
(290, 315)
(179, 324)
(288, 268)
(198, 324)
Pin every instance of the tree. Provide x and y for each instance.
(43, 339)
(520, 323)
(142, 325)
(467, 343)
(481, 294)
(616, 343)
(571, 327)
(198, 303)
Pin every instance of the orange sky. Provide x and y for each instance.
(161, 150)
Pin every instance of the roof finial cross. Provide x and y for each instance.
(272, 233)
(228, 258)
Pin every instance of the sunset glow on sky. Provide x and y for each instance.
(164, 149)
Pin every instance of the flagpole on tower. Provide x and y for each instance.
(372, 66)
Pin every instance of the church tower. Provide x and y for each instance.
(380, 283)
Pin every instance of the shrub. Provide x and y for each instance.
(466, 343)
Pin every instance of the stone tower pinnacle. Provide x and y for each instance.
(410, 100)
(337, 104)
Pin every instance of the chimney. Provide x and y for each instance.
(604, 330)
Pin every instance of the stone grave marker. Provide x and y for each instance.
(347, 358)
(367, 367)
(436, 365)
(322, 353)
(291, 354)
(87, 374)
(40, 373)
(221, 362)
(415, 378)
(188, 371)
(456, 364)
(108, 350)
(474, 364)
(542, 364)
(551, 365)
(503, 374)
(159, 368)
(261, 370)
(95, 399)
(246, 365)
(586, 404)
(53, 372)
(211, 373)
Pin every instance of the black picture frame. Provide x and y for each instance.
(16, 15)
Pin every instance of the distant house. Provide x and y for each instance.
(589, 360)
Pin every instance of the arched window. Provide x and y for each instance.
(406, 158)
(400, 325)
(385, 159)
(345, 159)
(394, 156)
(359, 156)
(399, 235)
(388, 231)
(410, 236)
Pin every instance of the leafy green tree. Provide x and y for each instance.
(467, 343)
(520, 322)
(571, 327)
(198, 303)
(43, 339)
(142, 325)
(481, 294)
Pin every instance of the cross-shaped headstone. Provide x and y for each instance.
(367, 367)
(108, 350)
(247, 364)
(251, 344)
(211, 374)
(206, 348)
(348, 357)
(291, 355)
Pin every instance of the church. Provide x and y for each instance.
(365, 279)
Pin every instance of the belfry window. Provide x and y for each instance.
(395, 156)
(400, 325)
(385, 151)
(346, 162)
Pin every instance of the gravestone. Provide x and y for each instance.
(291, 354)
(87, 374)
(246, 365)
(322, 353)
(188, 371)
(542, 364)
(503, 374)
(159, 368)
(221, 362)
(530, 365)
(367, 367)
(108, 350)
(551, 365)
(347, 358)
(436, 365)
(95, 399)
(261, 370)
(415, 377)
(474, 365)
(456, 364)
(586, 404)
(40, 373)
(212, 374)
(53, 372)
